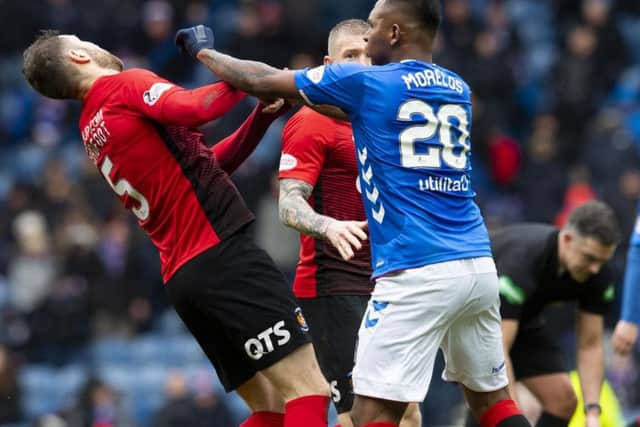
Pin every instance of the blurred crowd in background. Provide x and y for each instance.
(86, 337)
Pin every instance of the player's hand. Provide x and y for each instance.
(592, 419)
(624, 337)
(272, 106)
(192, 40)
(346, 236)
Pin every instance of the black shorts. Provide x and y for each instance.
(334, 323)
(535, 352)
(239, 307)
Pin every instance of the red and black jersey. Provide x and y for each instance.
(320, 151)
(139, 129)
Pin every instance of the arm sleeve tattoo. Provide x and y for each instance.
(296, 212)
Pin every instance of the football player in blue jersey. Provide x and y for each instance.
(625, 334)
(436, 282)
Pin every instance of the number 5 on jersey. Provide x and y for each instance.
(122, 187)
(440, 121)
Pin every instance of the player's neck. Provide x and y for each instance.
(87, 82)
(412, 52)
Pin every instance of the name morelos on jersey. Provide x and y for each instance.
(411, 121)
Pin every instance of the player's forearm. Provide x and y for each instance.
(250, 76)
(591, 370)
(510, 328)
(508, 365)
(295, 211)
(631, 288)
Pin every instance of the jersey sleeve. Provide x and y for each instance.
(631, 284)
(303, 150)
(235, 148)
(601, 295)
(342, 85)
(514, 286)
(171, 104)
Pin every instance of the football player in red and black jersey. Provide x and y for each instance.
(140, 131)
(320, 199)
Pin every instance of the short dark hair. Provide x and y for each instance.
(349, 26)
(428, 13)
(596, 220)
(45, 68)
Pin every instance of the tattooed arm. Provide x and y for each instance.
(254, 77)
(295, 212)
(261, 80)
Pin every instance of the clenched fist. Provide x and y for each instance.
(192, 40)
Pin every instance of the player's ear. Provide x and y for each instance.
(395, 34)
(79, 56)
(327, 60)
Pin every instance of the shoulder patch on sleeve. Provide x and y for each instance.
(315, 74)
(609, 294)
(287, 162)
(510, 291)
(154, 93)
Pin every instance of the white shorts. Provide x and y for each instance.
(452, 305)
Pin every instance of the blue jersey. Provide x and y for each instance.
(411, 123)
(631, 287)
